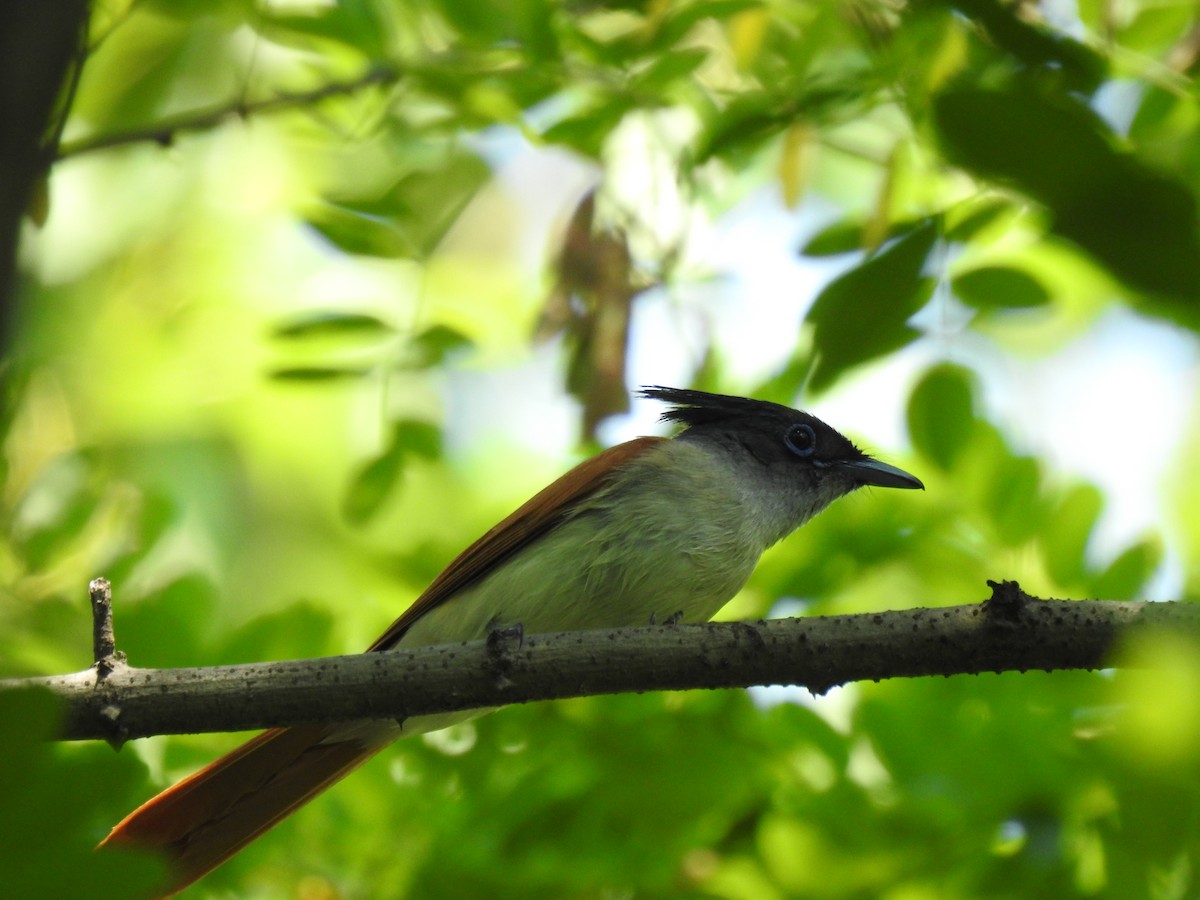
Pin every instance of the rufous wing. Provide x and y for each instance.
(535, 517)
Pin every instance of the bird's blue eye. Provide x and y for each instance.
(801, 440)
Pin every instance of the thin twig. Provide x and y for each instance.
(165, 131)
(104, 642)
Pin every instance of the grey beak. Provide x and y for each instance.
(880, 474)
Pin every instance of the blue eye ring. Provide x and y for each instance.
(801, 440)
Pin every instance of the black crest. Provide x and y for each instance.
(691, 408)
(760, 426)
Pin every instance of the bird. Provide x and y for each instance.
(650, 530)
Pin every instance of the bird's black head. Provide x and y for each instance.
(776, 435)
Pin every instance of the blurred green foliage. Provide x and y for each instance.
(223, 395)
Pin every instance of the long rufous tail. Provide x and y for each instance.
(203, 820)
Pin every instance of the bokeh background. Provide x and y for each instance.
(312, 294)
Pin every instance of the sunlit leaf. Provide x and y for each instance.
(880, 221)
(1163, 115)
(411, 218)
(355, 231)
(132, 77)
(795, 159)
(357, 24)
(963, 226)
(681, 18)
(747, 30)
(1157, 690)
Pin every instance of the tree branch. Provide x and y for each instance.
(166, 129)
(1010, 631)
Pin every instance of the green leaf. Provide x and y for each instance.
(1152, 28)
(833, 240)
(419, 438)
(131, 80)
(319, 373)
(999, 287)
(170, 626)
(862, 314)
(743, 127)
(49, 789)
(1128, 573)
(1013, 499)
(38, 713)
(667, 69)
(849, 236)
(324, 324)
(372, 485)
(1064, 536)
(158, 513)
(233, 12)
(358, 232)
(1135, 221)
(427, 203)
(53, 514)
(359, 24)
(785, 384)
(1158, 115)
(376, 480)
(527, 24)
(300, 630)
(1037, 47)
(588, 130)
(961, 227)
(412, 216)
(746, 122)
(941, 415)
(431, 347)
(680, 18)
